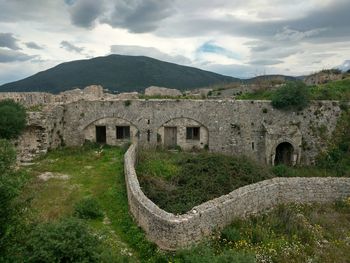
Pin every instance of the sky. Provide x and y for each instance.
(240, 38)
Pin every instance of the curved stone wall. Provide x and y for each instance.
(172, 232)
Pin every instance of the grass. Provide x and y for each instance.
(178, 181)
(92, 174)
(286, 234)
(294, 233)
(336, 90)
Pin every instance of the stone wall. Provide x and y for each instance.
(171, 232)
(28, 98)
(251, 128)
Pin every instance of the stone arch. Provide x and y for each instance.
(185, 132)
(117, 130)
(285, 151)
(284, 154)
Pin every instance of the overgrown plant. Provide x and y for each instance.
(292, 96)
(88, 208)
(12, 119)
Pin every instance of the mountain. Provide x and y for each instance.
(117, 73)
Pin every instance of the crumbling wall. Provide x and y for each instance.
(28, 98)
(234, 126)
(172, 232)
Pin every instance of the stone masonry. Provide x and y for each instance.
(171, 232)
(251, 128)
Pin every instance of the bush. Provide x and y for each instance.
(294, 95)
(68, 240)
(7, 156)
(10, 185)
(12, 119)
(88, 208)
(231, 234)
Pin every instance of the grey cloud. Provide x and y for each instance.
(33, 45)
(32, 10)
(323, 24)
(70, 47)
(266, 62)
(7, 56)
(9, 41)
(271, 52)
(84, 12)
(295, 35)
(139, 16)
(150, 52)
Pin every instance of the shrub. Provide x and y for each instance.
(231, 234)
(68, 240)
(88, 208)
(12, 119)
(7, 156)
(10, 185)
(294, 95)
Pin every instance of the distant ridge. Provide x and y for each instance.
(117, 73)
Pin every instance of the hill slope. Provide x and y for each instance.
(118, 73)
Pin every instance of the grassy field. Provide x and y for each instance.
(93, 173)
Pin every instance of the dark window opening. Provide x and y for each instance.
(192, 133)
(253, 146)
(123, 132)
(148, 135)
(101, 134)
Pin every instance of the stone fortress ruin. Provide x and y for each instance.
(244, 127)
(235, 127)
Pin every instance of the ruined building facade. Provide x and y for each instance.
(251, 128)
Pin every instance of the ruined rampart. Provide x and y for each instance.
(172, 232)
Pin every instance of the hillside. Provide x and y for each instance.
(117, 73)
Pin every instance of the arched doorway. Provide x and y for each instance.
(284, 154)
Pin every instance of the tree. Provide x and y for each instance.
(293, 95)
(12, 119)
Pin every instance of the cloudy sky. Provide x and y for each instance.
(241, 38)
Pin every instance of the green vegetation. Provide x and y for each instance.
(336, 90)
(178, 181)
(11, 183)
(337, 156)
(117, 73)
(88, 208)
(67, 240)
(80, 174)
(84, 177)
(293, 95)
(12, 119)
(294, 233)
